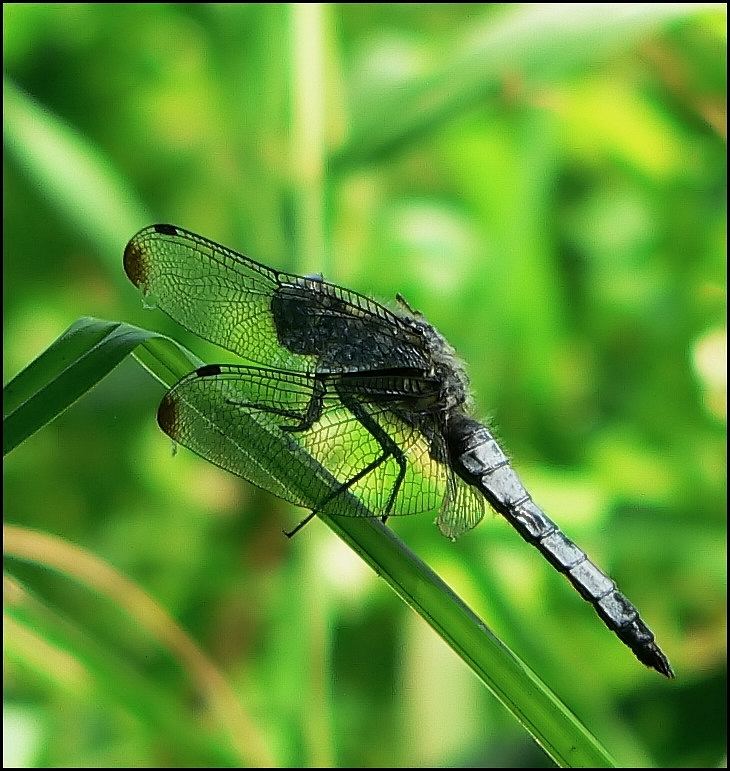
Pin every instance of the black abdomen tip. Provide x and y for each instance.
(655, 659)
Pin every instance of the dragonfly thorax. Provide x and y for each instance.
(445, 366)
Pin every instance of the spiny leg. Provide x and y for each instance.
(387, 445)
(311, 415)
(341, 489)
(314, 408)
(402, 301)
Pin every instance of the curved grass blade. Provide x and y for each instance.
(84, 354)
(73, 173)
(550, 722)
(242, 740)
(91, 348)
(116, 682)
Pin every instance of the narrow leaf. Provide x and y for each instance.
(84, 354)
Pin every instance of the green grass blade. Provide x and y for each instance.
(84, 354)
(114, 680)
(231, 735)
(542, 714)
(165, 359)
(91, 348)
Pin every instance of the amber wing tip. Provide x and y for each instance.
(135, 257)
(134, 264)
(167, 415)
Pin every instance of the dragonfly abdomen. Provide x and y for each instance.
(479, 460)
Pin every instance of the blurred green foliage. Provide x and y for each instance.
(547, 184)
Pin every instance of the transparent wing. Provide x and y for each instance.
(235, 417)
(277, 319)
(462, 508)
(206, 413)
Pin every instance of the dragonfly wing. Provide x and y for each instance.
(237, 418)
(277, 319)
(215, 292)
(408, 482)
(205, 412)
(462, 508)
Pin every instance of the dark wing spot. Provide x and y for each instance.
(136, 257)
(166, 230)
(209, 370)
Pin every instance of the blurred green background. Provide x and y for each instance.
(547, 184)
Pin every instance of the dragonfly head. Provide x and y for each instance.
(445, 366)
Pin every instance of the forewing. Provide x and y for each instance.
(226, 298)
(215, 292)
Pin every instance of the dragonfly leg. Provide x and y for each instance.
(306, 520)
(387, 445)
(306, 421)
(402, 301)
(340, 489)
(314, 408)
(389, 450)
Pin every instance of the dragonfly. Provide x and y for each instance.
(374, 396)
